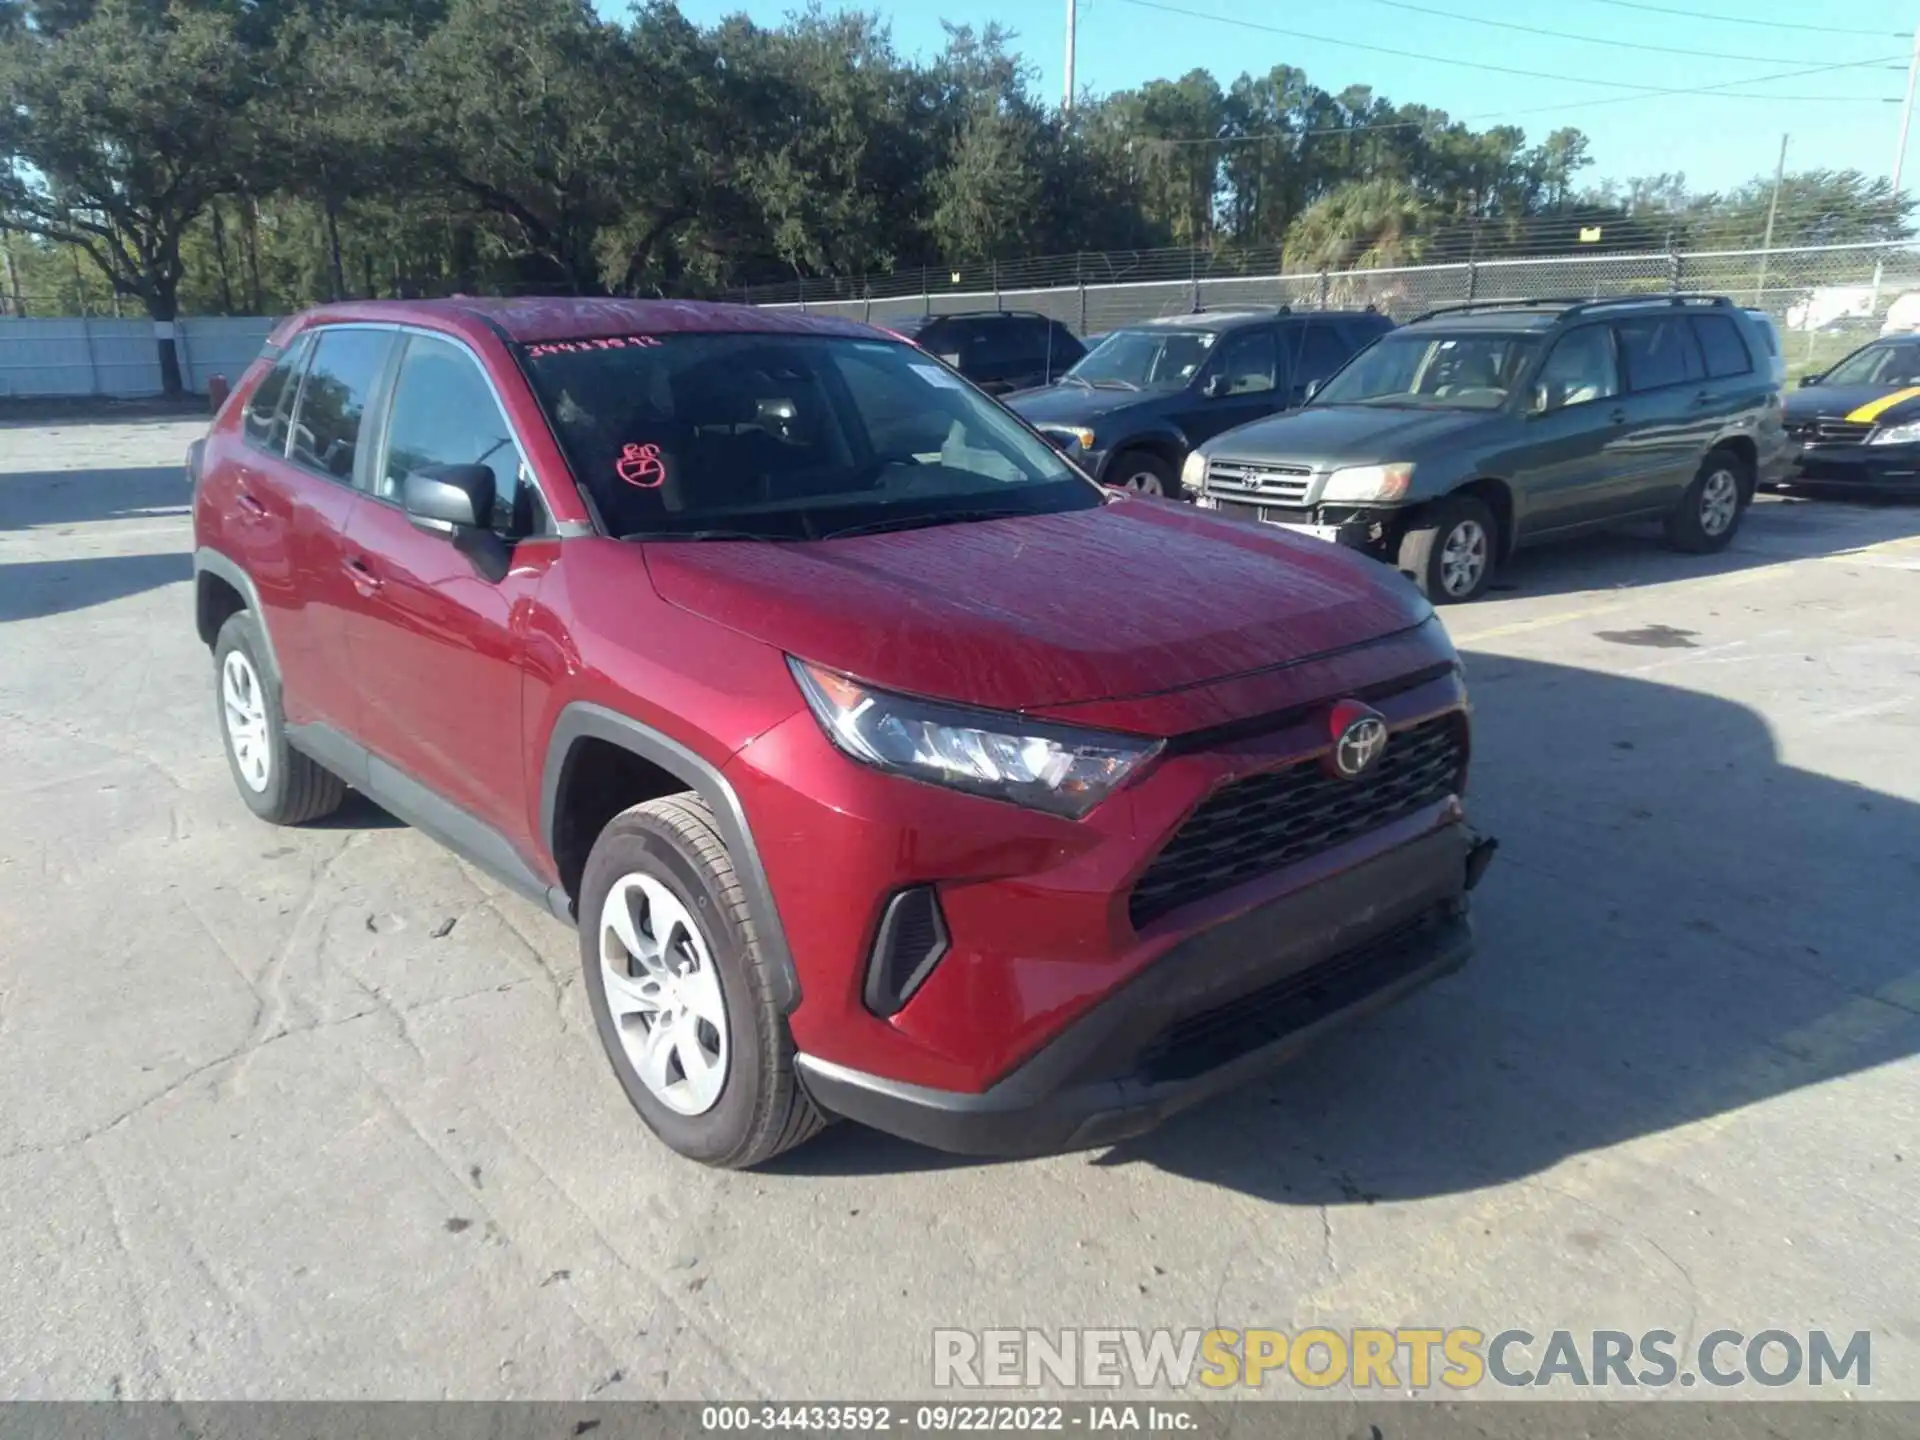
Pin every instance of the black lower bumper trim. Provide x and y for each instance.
(1203, 1019)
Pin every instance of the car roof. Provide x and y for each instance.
(1234, 319)
(1491, 320)
(534, 319)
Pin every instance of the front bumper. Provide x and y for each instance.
(1357, 527)
(1216, 1010)
(1878, 467)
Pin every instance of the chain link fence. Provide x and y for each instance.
(1820, 297)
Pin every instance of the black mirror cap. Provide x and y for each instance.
(1807, 382)
(1215, 387)
(449, 498)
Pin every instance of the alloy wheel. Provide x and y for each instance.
(1145, 483)
(1719, 502)
(1463, 559)
(664, 994)
(244, 705)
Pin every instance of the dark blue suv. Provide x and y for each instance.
(1147, 394)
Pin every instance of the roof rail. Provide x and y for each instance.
(1573, 304)
(977, 314)
(1241, 310)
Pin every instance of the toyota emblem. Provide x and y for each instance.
(1359, 738)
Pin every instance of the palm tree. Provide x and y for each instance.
(1363, 224)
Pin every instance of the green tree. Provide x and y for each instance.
(1364, 224)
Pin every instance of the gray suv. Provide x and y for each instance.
(1475, 429)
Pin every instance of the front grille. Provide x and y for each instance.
(1830, 432)
(1217, 1037)
(1248, 481)
(1272, 514)
(1270, 821)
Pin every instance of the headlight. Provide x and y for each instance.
(1046, 767)
(1896, 434)
(1193, 474)
(1361, 484)
(1078, 434)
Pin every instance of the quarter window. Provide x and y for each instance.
(346, 365)
(444, 413)
(1720, 342)
(1658, 350)
(272, 403)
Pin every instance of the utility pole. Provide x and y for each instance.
(1899, 153)
(1073, 24)
(1773, 209)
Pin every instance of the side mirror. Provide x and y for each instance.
(447, 499)
(1537, 400)
(1312, 389)
(218, 389)
(1217, 385)
(1810, 380)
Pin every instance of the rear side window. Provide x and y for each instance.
(1720, 342)
(1658, 350)
(1321, 352)
(272, 403)
(346, 365)
(1066, 349)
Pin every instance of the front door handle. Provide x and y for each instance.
(364, 580)
(1619, 416)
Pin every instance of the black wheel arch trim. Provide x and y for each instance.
(1169, 444)
(582, 720)
(207, 560)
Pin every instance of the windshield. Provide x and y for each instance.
(1878, 365)
(1451, 371)
(1145, 359)
(787, 437)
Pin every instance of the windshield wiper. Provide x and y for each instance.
(1113, 383)
(1076, 380)
(706, 535)
(915, 522)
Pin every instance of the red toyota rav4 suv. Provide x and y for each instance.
(890, 768)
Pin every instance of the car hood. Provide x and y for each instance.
(1070, 404)
(1136, 597)
(1839, 402)
(1360, 433)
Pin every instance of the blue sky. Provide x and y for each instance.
(1716, 142)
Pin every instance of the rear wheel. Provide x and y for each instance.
(277, 782)
(680, 989)
(1145, 473)
(1449, 551)
(1709, 512)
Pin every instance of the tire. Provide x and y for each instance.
(1710, 511)
(275, 781)
(1144, 473)
(1436, 549)
(664, 867)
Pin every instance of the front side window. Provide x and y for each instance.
(1878, 365)
(1474, 371)
(270, 409)
(787, 437)
(1658, 350)
(444, 413)
(1145, 359)
(1246, 363)
(346, 365)
(1580, 368)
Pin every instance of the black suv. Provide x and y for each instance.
(1131, 411)
(1489, 425)
(1000, 351)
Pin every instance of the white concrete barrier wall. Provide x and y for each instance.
(74, 356)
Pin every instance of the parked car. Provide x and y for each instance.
(1859, 423)
(1482, 427)
(1132, 410)
(889, 767)
(998, 350)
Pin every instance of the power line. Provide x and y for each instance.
(1744, 20)
(1436, 59)
(1584, 39)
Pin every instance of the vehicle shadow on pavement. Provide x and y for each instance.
(1777, 530)
(32, 589)
(1679, 924)
(69, 497)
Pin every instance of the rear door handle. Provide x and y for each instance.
(1619, 416)
(364, 580)
(1702, 400)
(252, 508)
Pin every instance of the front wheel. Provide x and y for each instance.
(1709, 512)
(680, 990)
(1449, 552)
(1145, 473)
